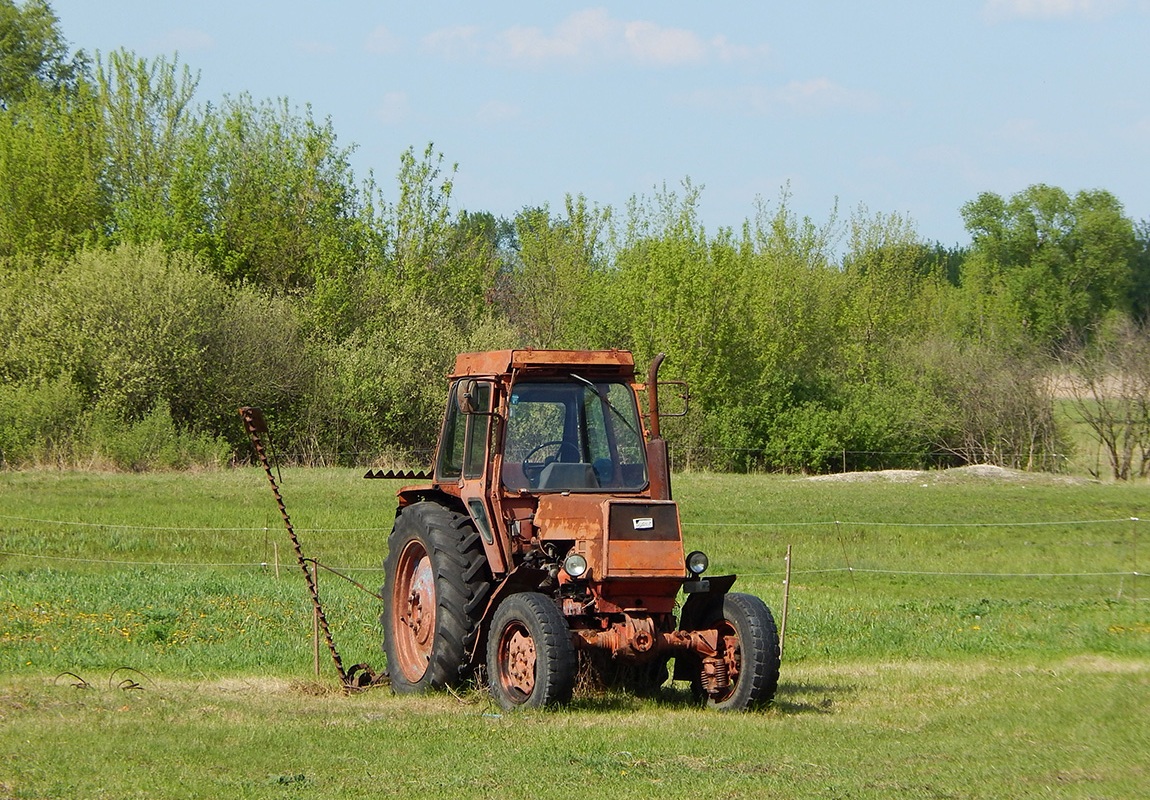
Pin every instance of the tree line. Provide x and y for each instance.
(164, 260)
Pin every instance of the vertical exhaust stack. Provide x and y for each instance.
(658, 461)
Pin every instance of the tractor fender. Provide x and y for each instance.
(700, 602)
(410, 495)
(698, 608)
(520, 579)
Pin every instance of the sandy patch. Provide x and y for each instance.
(972, 473)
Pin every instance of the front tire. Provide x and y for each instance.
(436, 583)
(530, 659)
(749, 649)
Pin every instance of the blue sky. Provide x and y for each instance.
(911, 107)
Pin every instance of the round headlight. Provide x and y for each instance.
(575, 565)
(697, 562)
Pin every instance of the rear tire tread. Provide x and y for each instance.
(462, 583)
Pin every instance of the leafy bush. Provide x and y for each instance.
(40, 422)
(153, 442)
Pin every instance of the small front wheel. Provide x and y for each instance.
(745, 674)
(530, 658)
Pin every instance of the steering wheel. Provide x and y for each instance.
(532, 470)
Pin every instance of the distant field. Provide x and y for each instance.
(949, 634)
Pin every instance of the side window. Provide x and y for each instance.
(451, 443)
(629, 441)
(477, 427)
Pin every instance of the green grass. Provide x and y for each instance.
(950, 637)
(1074, 728)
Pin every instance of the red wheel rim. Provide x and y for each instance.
(413, 608)
(517, 656)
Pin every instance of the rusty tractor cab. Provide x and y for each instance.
(548, 532)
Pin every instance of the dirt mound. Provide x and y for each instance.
(969, 474)
(887, 475)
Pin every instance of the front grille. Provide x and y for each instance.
(648, 522)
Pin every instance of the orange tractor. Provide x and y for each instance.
(548, 534)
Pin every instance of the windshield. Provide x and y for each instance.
(573, 436)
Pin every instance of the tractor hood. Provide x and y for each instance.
(619, 537)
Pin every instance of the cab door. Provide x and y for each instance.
(464, 457)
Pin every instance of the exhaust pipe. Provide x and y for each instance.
(658, 460)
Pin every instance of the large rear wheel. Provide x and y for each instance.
(745, 673)
(436, 582)
(530, 659)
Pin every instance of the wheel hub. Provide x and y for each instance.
(419, 612)
(720, 672)
(415, 606)
(519, 662)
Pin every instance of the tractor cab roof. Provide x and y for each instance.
(613, 363)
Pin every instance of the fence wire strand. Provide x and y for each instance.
(852, 570)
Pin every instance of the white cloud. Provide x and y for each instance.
(822, 93)
(184, 40)
(457, 42)
(813, 96)
(381, 41)
(649, 43)
(582, 34)
(727, 51)
(590, 36)
(996, 10)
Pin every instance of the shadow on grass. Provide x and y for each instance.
(791, 698)
(801, 697)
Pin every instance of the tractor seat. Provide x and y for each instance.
(560, 475)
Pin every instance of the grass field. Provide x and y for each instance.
(949, 635)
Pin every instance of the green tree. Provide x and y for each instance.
(886, 291)
(1140, 273)
(443, 256)
(677, 290)
(137, 326)
(1059, 263)
(260, 191)
(52, 196)
(136, 335)
(33, 52)
(798, 299)
(551, 275)
(148, 121)
(283, 207)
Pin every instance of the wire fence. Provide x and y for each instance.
(690, 457)
(45, 553)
